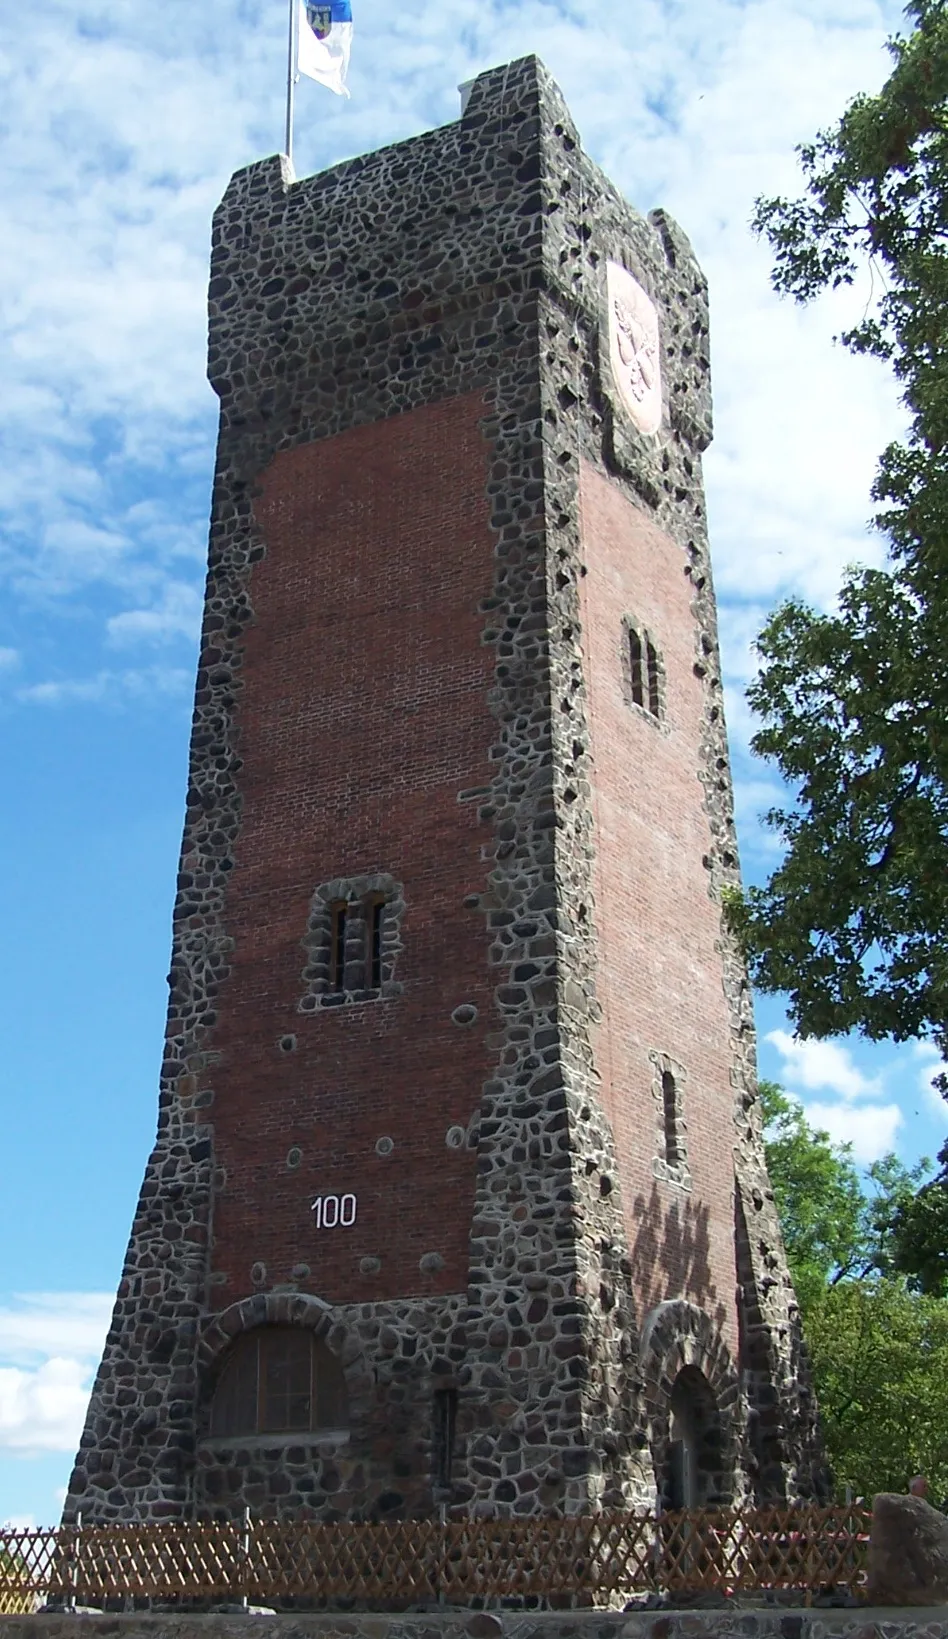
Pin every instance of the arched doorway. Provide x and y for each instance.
(693, 1454)
(692, 1396)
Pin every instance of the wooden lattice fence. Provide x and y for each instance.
(589, 1559)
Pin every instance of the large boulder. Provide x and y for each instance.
(908, 1552)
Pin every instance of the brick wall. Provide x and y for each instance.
(659, 978)
(363, 713)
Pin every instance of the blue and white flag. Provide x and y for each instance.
(325, 39)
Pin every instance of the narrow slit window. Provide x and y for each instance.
(645, 676)
(442, 1454)
(375, 916)
(673, 1153)
(636, 667)
(651, 660)
(337, 946)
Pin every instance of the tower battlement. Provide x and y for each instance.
(478, 213)
(458, 1193)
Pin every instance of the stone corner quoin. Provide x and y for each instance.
(458, 1193)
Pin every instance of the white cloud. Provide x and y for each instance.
(76, 551)
(54, 694)
(177, 614)
(50, 1343)
(822, 1065)
(37, 1324)
(43, 1409)
(120, 143)
(932, 1065)
(871, 1129)
(850, 1109)
(152, 683)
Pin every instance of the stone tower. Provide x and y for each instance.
(458, 1193)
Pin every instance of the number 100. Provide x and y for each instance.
(332, 1211)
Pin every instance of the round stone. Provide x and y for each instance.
(454, 1138)
(430, 1263)
(294, 1156)
(384, 1146)
(258, 1273)
(465, 1014)
(484, 1626)
(370, 1266)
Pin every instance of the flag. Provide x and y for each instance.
(325, 38)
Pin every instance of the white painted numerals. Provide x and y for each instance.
(334, 1211)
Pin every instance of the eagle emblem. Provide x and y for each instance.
(319, 19)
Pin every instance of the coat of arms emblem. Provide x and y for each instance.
(319, 19)
(634, 348)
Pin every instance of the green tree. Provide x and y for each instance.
(879, 1351)
(818, 1195)
(853, 923)
(837, 1225)
(879, 1356)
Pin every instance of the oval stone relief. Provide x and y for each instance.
(634, 348)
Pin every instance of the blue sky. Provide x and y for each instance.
(122, 125)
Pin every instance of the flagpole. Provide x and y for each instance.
(291, 78)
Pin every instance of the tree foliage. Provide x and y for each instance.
(834, 1228)
(878, 1350)
(853, 924)
(879, 1356)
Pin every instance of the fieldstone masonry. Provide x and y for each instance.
(425, 448)
(736, 1623)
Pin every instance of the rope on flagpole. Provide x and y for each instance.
(291, 78)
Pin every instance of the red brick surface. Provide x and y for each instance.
(362, 712)
(660, 976)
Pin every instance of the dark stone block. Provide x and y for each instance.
(908, 1552)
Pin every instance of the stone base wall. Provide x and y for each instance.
(393, 1357)
(742, 1621)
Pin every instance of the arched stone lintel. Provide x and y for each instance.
(263, 1309)
(276, 1309)
(287, 1309)
(679, 1326)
